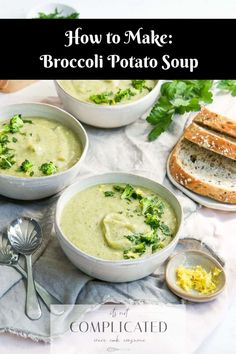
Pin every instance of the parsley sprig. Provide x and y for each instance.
(177, 97)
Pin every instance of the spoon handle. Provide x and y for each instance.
(47, 298)
(33, 309)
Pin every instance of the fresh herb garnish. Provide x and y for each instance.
(31, 173)
(57, 15)
(109, 193)
(48, 168)
(7, 162)
(165, 229)
(14, 139)
(112, 98)
(140, 85)
(227, 85)
(122, 94)
(104, 97)
(128, 192)
(177, 97)
(29, 121)
(16, 123)
(25, 166)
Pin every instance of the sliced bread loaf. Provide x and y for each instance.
(211, 140)
(203, 171)
(216, 122)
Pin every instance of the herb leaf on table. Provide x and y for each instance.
(178, 97)
(227, 85)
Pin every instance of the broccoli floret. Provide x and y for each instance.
(135, 251)
(48, 168)
(122, 94)
(152, 220)
(7, 162)
(26, 166)
(128, 192)
(152, 205)
(15, 124)
(104, 97)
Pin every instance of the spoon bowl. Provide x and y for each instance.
(25, 235)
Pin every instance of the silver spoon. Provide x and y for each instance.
(9, 258)
(25, 236)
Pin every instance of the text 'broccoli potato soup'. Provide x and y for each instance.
(34, 147)
(116, 222)
(108, 92)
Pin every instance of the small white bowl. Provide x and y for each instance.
(107, 116)
(124, 270)
(49, 8)
(189, 259)
(40, 187)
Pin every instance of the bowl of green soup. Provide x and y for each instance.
(118, 227)
(107, 103)
(41, 150)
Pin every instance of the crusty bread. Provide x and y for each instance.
(216, 122)
(203, 171)
(211, 140)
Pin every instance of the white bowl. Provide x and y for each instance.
(49, 8)
(124, 270)
(40, 187)
(108, 116)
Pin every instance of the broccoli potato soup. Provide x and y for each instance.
(116, 222)
(34, 147)
(108, 92)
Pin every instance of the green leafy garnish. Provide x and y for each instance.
(140, 85)
(14, 139)
(104, 97)
(128, 192)
(15, 124)
(57, 15)
(109, 193)
(177, 97)
(152, 220)
(228, 85)
(31, 173)
(165, 229)
(25, 166)
(7, 162)
(48, 168)
(118, 188)
(123, 94)
(152, 205)
(29, 121)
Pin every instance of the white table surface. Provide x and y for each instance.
(223, 338)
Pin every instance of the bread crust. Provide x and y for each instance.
(195, 184)
(211, 141)
(217, 122)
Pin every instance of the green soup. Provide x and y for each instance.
(36, 147)
(116, 222)
(107, 91)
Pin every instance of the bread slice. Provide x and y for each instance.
(211, 140)
(216, 122)
(203, 171)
